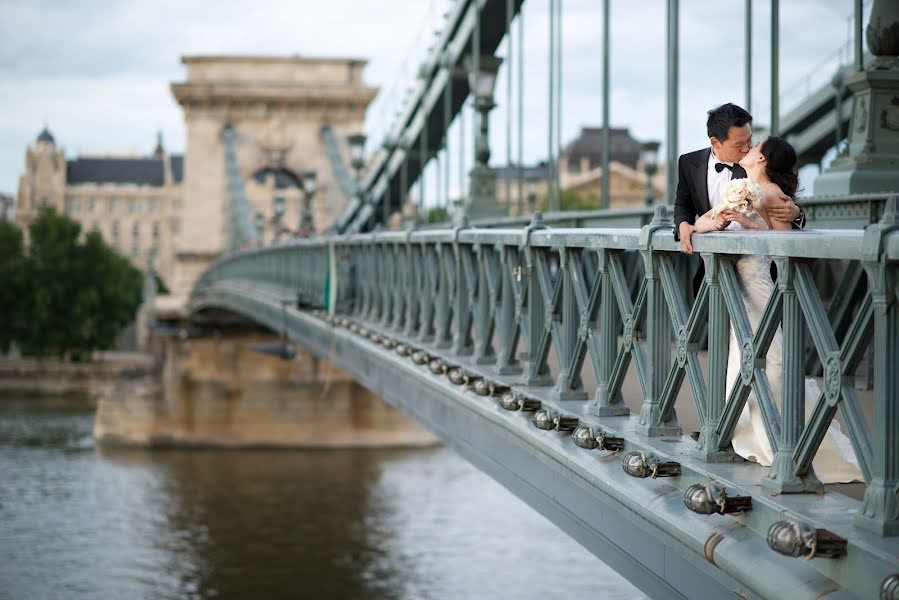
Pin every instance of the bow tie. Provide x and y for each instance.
(721, 166)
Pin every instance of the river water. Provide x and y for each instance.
(77, 521)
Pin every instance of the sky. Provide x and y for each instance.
(97, 73)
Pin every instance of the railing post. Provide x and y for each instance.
(507, 362)
(603, 404)
(658, 337)
(880, 508)
(569, 385)
(708, 447)
(442, 337)
(782, 477)
(462, 342)
(484, 351)
(538, 375)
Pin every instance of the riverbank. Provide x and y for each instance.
(84, 381)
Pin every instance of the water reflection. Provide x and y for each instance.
(80, 522)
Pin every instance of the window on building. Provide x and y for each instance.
(70, 206)
(155, 231)
(176, 227)
(154, 205)
(91, 204)
(135, 230)
(115, 230)
(135, 252)
(153, 252)
(113, 205)
(134, 206)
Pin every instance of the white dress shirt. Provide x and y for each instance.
(717, 183)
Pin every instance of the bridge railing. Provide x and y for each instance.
(500, 301)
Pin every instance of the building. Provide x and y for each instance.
(173, 211)
(133, 201)
(580, 174)
(278, 107)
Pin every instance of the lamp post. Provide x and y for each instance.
(260, 226)
(357, 154)
(279, 209)
(482, 179)
(306, 225)
(357, 161)
(649, 154)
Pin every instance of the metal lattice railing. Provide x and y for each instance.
(546, 307)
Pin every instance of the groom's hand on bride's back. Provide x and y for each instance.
(780, 207)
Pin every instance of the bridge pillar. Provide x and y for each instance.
(870, 161)
(216, 391)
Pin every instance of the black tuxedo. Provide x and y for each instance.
(692, 198)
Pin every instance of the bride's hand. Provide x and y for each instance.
(740, 218)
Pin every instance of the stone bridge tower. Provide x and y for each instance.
(277, 107)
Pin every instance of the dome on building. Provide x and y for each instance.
(45, 136)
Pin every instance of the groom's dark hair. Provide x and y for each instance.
(724, 117)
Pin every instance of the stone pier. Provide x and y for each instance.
(216, 391)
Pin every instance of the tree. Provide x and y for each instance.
(76, 297)
(437, 214)
(572, 200)
(11, 259)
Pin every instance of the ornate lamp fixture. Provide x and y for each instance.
(792, 538)
(482, 179)
(307, 227)
(357, 153)
(649, 154)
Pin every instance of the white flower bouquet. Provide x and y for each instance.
(742, 196)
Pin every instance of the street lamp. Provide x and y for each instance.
(482, 183)
(357, 152)
(649, 155)
(309, 184)
(260, 226)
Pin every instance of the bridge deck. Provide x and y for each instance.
(640, 527)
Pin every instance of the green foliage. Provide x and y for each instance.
(11, 258)
(572, 200)
(74, 297)
(437, 214)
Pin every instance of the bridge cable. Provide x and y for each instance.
(520, 110)
(509, 71)
(551, 89)
(558, 102)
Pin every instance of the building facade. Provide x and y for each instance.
(133, 201)
(580, 175)
(277, 107)
(172, 211)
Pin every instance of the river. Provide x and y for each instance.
(78, 521)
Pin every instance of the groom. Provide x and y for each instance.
(703, 175)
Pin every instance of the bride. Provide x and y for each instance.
(770, 165)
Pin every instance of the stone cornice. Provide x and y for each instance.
(296, 59)
(240, 93)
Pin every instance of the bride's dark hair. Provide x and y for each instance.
(780, 164)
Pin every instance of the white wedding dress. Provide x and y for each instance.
(835, 461)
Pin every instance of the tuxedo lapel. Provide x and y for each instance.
(701, 179)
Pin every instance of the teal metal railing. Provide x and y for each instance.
(504, 299)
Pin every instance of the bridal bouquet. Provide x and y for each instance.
(742, 196)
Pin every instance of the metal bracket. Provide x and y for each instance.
(659, 221)
(872, 243)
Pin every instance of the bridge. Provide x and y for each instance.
(568, 357)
